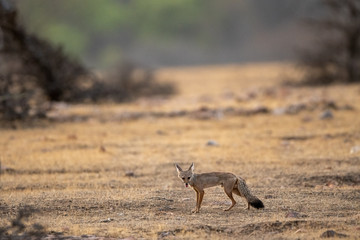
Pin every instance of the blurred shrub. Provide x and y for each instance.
(336, 55)
(33, 73)
(128, 82)
(20, 95)
(18, 229)
(21, 98)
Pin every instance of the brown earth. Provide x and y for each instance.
(108, 170)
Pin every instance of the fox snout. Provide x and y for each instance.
(185, 176)
(186, 181)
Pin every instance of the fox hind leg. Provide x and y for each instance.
(229, 191)
(236, 191)
(233, 202)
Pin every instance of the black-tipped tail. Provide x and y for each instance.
(257, 203)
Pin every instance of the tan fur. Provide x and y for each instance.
(230, 183)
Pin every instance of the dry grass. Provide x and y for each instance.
(74, 172)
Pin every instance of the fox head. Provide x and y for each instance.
(185, 176)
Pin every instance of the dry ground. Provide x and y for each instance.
(96, 171)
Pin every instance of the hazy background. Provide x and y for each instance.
(166, 33)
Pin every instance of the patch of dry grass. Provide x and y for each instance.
(75, 172)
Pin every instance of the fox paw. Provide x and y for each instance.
(195, 211)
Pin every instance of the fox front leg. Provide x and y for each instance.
(201, 196)
(196, 210)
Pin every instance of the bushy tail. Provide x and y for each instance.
(245, 192)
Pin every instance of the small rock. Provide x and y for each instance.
(347, 107)
(330, 105)
(355, 149)
(165, 209)
(130, 174)
(107, 220)
(269, 197)
(72, 137)
(246, 97)
(212, 143)
(279, 111)
(102, 148)
(308, 185)
(332, 233)
(295, 108)
(326, 115)
(160, 132)
(166, 234)
(306, 119)
(219, 114)
(294, 214)
(332, 184)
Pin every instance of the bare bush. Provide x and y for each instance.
(20, 98)
(336, 56)
(33, 73)
(19, 92)
(59, 75)
(19, 229)
(129, 81)
(25, 53)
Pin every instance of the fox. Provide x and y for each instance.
(229, 181)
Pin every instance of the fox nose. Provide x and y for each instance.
(186, 184)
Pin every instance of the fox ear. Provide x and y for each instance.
(178, 168)
(192, 167)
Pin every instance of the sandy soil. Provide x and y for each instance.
(108, 170)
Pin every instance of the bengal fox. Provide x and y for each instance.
(230, 183)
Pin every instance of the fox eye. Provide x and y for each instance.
(188, 177)
(183, 178)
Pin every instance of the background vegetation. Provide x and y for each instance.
(35, 72)
(161, 32)
(335, 56)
